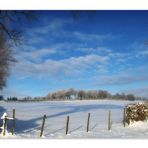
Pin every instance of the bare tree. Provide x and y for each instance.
(5, 60)
(9, 21)
(90, 95)
(103, 94)
(10, 35)
(81, 94)
(130, 97)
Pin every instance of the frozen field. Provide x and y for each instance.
(29, 118)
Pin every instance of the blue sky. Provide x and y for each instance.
(105, 50)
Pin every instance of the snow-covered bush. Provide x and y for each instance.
(136, 112)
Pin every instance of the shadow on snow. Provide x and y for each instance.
(24, 125)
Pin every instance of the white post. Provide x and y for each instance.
(4, 126)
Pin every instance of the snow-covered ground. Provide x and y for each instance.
(29, 118)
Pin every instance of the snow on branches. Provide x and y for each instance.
(136, 112)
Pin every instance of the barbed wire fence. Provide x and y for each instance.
(44, 125)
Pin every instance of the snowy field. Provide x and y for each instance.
(29, 118)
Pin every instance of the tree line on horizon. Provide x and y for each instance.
(73, 94)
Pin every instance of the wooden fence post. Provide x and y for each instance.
(124, 117)
(67, 125)
(5, 125)
(13, 121)
(43, 123)
(88, 119)
(109, 120)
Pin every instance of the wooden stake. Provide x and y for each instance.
(43, 123)
(109, 120)
(13, 121)
(88, 119)
(5, 125)
(124, 117)
(67, 125)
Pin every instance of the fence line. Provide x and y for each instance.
(67, 123)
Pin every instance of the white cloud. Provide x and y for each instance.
(102, 69)
(141, 92)
(125, 77)
(35, 55)
(91, 36)
(140, 50)
(56, 28)
(72, 66)
(100, 50)
(12, 92)
(143, 52)
(118, 57)
(50, 26)
(49, 30)
(39, 63)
